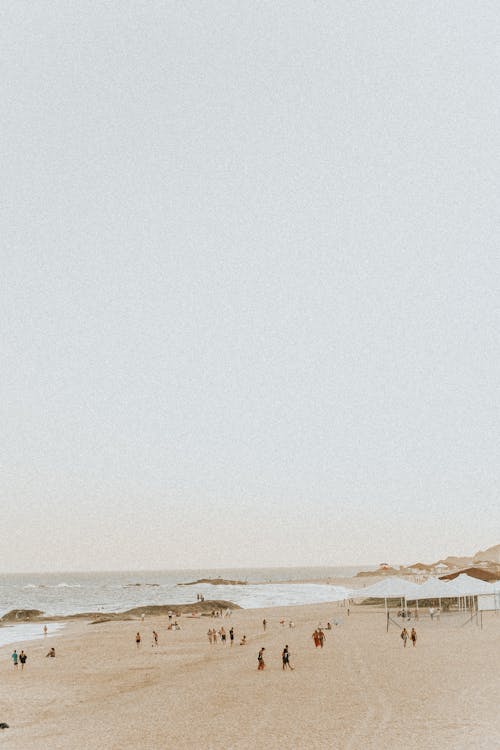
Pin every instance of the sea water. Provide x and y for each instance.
(20, 633)
(75, 593)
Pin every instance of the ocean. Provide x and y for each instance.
(74, 593)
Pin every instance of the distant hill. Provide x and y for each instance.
(455, 562)
(492, 554)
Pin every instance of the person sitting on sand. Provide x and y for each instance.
(52, 652)
(243, 641)
(260, 659)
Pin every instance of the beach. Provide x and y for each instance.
(363, 689)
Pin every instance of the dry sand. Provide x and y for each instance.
(363, 690)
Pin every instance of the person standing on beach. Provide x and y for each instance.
(260, 659)
(413, 636)
(22, 659)
(404, 636)
(285, 658)
(45, 629)
(155, 638)
(231, 636)
(264, 623)
(222, 634)
(14, 658)
(315, 637)
(137, 639)
(321, 637)
(209, 633)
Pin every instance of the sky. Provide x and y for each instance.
(249, 300)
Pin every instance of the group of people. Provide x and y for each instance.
(319, 638)
(285, 659)
(412, 636)
(19, 658)
(214, 636)
(407, 614)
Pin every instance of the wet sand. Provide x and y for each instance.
(363, 690)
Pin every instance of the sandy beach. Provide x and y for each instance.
(363, 689)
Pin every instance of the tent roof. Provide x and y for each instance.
(468, 586)
(434, 588)
(386, 589)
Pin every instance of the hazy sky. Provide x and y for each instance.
(250, 282)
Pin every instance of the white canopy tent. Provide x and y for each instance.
(395, 587)
(434, 588)
(469, 586)
(389, 588)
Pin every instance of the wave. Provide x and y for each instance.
(66, 586)
(53, 586)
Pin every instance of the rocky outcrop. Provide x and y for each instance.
(214, 582)
(21, 615)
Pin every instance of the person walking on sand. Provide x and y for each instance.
(264, 623)
(222, 634)
(315, 637)
(209, 634)
(45, 630)
(413, 636)
(260, 660)
(231, 636)
(22, 659)
(138, 639)
(404, 636)
(285, 658)
(14, 658)
(155, 638)
(321, 637)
